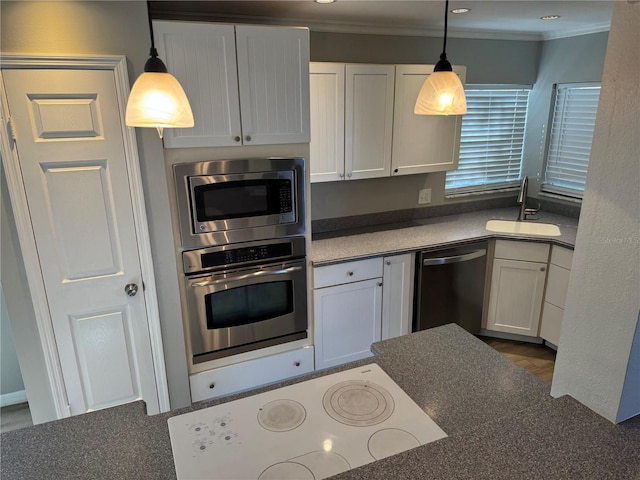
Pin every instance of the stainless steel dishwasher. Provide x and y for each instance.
(450, 287)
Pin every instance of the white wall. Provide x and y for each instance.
(10, 376)
(598, 355)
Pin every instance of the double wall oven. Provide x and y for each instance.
(244, 264)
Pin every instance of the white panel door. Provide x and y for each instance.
(515, 300)
(422, 143)
(368, 120)
(347, 321)
(273, 78)
(70, 146)
(202, 56)
(397, 295)
(326, 157)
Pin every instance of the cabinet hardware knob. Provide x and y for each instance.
(542, 269)
(342, 175)
(379, 284)
(350, 274)
(296, 364)
(388, 262)
(236, 138)
(212, 385)
(131, 289)
(349, 175)
(248, 138)
(395, 171)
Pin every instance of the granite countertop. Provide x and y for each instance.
(431, 232)
(500, 420)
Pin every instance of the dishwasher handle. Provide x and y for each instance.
(455, 258)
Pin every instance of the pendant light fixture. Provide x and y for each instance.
(157, 99)
(442, 92)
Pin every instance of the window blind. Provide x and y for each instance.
(491, 140)
(570, 136)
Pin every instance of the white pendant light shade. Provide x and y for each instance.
(441, 94)
(158, 100)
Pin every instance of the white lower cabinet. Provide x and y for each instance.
(555, 295)
(253, 373)
(359, 303)
(517, 287)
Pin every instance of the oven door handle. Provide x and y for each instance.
(257, 273)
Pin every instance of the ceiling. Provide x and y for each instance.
(502, 19)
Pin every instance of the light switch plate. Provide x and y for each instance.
(424, 196)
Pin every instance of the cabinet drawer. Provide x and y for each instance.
(347, 272)
(525, 251)
(561, 257)
(550, 323)
(253, 373)
(557, 285)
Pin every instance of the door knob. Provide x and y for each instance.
(131, 289)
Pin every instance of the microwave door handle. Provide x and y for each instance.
(245, 276)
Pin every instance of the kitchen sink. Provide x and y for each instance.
(527, 228)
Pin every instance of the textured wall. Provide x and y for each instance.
(597, 346)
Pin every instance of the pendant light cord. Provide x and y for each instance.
(444, 43)
(154, 52)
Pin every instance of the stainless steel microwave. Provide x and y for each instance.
(230, 201)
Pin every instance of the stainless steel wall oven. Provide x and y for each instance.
(230, 201)
(242, 297)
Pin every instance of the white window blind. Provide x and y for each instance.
(570, 136)
(491, 140)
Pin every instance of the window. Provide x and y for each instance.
(570, 136)
(491, 140)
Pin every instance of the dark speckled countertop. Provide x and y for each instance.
(344, 245)
(500, 420)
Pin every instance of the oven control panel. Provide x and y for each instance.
(213, 258)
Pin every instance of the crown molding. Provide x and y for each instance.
(605, 27)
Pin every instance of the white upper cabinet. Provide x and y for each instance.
(422, 143)
(351, 121)
(326, 82)
(368, 120)
(260, 98)
(273, 75)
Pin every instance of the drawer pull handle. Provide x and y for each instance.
(212, 385)
(350, 274)
(296, 364)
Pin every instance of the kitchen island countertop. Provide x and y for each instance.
(500, 420)
(340, 246)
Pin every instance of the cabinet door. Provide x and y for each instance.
(368, 120)
(516, 294)
(422, 143)
(273, 78)
(326, 157)
(347, 321)
(397, 295)
(202, 56)
(551, 323)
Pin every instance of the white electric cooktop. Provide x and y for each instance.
(310, 430)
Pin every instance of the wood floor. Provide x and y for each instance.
(537, 359)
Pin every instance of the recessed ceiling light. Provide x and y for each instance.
(550, 17)
(324, 1)
(460, 10)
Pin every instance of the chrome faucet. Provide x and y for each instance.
(522, 201)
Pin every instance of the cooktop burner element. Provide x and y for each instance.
(358, 403)
(281, 415)
(310, 430)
